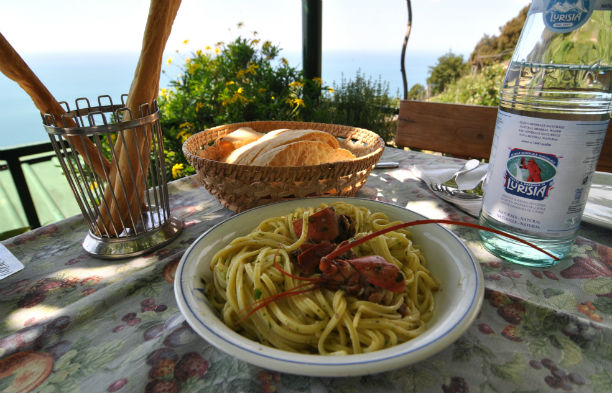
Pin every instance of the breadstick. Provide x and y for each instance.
(133, 152)
(15, 68)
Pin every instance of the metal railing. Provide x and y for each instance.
(13, 158)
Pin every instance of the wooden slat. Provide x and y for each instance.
(460, 130)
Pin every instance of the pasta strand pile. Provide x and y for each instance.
(321, 321)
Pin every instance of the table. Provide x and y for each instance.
(74, 323)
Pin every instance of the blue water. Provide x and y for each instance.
(71, 76)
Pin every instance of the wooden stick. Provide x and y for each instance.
(15, 68)
(135, 149)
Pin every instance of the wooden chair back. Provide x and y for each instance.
(460, 130)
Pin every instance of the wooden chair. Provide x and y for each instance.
(460, 130)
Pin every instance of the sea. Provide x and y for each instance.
(71, 76)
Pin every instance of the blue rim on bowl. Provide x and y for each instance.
(457, 303)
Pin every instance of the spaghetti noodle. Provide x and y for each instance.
(319, 321)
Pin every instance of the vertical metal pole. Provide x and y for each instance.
(403, 57)
(311, 40)
(25, 196)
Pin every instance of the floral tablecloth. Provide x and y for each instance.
(74, 323)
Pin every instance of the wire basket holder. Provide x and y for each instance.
(101, 187)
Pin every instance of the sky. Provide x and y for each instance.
(33, 26)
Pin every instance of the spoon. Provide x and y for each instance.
(470, 165)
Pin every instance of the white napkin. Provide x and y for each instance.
(435, 173)
(470, 180)
(438, 173)
(441, 172)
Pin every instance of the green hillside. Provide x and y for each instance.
(476, 80)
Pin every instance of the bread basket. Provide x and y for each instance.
(241, 187)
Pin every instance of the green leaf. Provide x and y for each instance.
(550, 292)
(423, 377)
(510, 370)
(603, 304)
(533, 289)
(97, 357)
(598, 286)
(601, 381)
(572, 353)
(563, 302)
(539, 346)
(462, 350)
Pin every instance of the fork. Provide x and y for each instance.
(453, 191)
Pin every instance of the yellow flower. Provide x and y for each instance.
(298, 102)
(284, 61)
(252, 68)
(207, 47)
(240, 90)
(187, 61)
(217, 51)
(169, 60)
(183, 134)
(185, 125)
(198, 106)
(318, 81)
(186, 42)
(163, 92)
(229, 83)
(330, 90)
(93, 186)
(177, 169)
(296, 84)
(199, 52)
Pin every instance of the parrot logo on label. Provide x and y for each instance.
(530, 174)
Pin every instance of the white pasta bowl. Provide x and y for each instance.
(457, 303)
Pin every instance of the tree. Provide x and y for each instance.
(449, 68)
(417, 92)
(492, 49)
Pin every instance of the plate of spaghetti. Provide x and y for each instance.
(329, 286)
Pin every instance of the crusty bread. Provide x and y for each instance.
(247, 154)
(285, 147)
(295, 154)
(235, 140)
(341, 154)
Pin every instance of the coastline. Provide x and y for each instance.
(73, 75)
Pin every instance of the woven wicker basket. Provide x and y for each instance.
(241, 187)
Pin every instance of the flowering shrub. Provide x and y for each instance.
(247, 80)
(235, 82)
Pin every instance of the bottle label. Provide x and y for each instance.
(540, 171)
(562, 16)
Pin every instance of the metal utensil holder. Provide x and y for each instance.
(107, 127)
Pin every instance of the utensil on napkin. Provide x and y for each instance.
(458, 185)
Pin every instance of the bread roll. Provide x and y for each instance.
(341, 154)
(235, 140)
(296, 154)
(247, 154)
